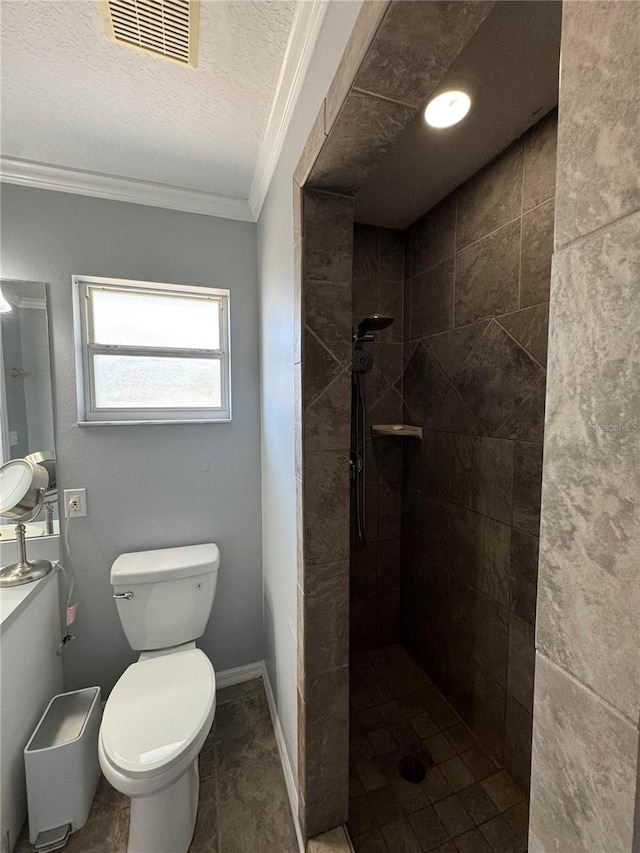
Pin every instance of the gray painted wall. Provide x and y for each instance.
(149, 486)
(276, 280)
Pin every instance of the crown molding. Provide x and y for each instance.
(305, 29)
(28, 173)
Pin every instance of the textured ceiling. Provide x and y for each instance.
(72, 98)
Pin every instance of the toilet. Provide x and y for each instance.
(161, 710)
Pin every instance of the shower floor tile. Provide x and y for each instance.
(465, 803)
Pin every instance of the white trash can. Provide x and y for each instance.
(62, 767)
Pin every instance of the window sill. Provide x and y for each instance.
(149, 423)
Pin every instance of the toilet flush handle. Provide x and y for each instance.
(127, 595)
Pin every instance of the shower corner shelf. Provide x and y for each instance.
(401, 430)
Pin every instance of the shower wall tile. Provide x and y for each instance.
(497, 377)
(441, 408)
(487, 276)
(327, 425)
(320, 368)
(471, 493)
(327, 313)
(540, 150)
(598, 152)
(585, 757)
(522, 654)
(524, 575)
(431, 239)
(527, 422)
(530, 328)
(527, 486)
(366, 252)
(395, 65)
(481, 552)
(391, 305)
(451, 348)
(328, 243)
(537, 248)
(517, 742)
(364, 131)
(432, 301)
(491, 198)
(326, 490)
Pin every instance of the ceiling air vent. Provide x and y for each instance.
(167, 28)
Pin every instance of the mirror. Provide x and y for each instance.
(26, 398)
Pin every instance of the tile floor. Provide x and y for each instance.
(243, 800)
(466, 803)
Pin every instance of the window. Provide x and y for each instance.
(152, 353)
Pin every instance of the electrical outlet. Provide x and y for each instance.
(75, 503)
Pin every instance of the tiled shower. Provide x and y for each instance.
(449, 565)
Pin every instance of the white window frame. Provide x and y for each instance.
(88, 413)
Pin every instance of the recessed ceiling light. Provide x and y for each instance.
(447, 109)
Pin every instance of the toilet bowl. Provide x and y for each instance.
(161, 710)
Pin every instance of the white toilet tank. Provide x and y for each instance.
(172, 592)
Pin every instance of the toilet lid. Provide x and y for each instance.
(156, 711)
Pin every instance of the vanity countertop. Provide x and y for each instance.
(13, 599)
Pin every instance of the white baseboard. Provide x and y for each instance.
(258, 670)
(289, 779)
(239, 674)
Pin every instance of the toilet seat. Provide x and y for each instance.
(156, 714)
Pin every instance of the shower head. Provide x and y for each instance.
(374, 323)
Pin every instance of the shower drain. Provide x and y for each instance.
(411, 769)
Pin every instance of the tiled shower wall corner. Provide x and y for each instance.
(378, 275)
(476, 316)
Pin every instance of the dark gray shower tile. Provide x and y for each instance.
(326, 493)
(500, 836)
(392, 245)
(432, 300)
(537, 249)
(454, 816)
(327, 422)
(325, 624)
(365, 299)
(517, 742)
(480, 549)
(370, 841)
(431, 399)
(491, 198)
(320, 367)
(530, 327)
(364, 131)
(497, 377)
(451, 348)
(428, 828)
(487, 713)
(480, 764)
(395, 66)
(491, 645)
(327, 310)
(527, 486)
(522, 652)
(400, 838)
(527, 422)
(540, 147)
(328, 240)
(365, 252)
(391, 294)
(482, 474)
(478, 803)
(472, 842)
(503, 791)
(388, 357)
(487, 276)
(457, 773)
(388, 566)
(524, 575)
(432, 238)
